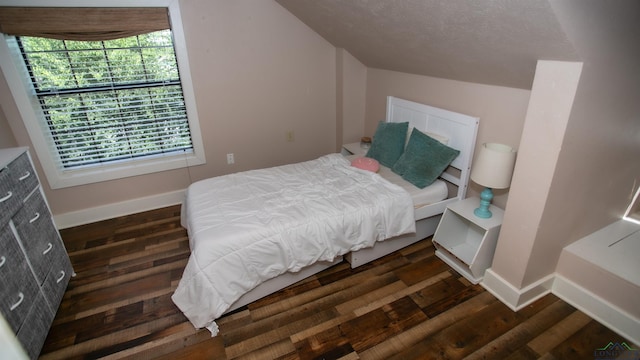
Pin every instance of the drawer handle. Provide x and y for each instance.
(62, 274)
(3, 260)
(9, 194)
(49, 247)
(35, 218)
(26, 175)
(20, 299)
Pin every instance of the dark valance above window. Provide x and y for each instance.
(88, 24)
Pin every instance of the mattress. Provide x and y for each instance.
(431, 194)
(421, 197)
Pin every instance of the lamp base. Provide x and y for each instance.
(485, 200)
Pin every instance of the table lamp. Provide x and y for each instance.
(492, 169)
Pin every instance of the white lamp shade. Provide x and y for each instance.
(493, 167)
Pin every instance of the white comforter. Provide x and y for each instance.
(248, 227)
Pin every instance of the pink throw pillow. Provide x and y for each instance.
(366, 163)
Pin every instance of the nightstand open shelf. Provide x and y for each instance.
(465, 241)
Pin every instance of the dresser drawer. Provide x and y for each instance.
(24, 175)
(17, 180)
(38, 235)
(55, 284)
(9, 198)
(18, 288)
(34, 331)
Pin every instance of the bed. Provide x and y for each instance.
(256, 232)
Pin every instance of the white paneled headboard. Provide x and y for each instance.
(460, 130)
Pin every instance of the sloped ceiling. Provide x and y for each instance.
(494, 42)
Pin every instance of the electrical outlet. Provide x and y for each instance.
(290, 136)
(230, 159)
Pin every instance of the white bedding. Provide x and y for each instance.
(431, 194)
(421, 197)
(248, 227)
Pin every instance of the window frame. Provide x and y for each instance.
(27, 103)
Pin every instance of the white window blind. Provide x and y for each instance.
(109, 101)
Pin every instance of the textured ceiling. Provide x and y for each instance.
(494, 42)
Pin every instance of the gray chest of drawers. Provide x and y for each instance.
(34, 265)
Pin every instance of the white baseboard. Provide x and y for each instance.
(513, 297)
(99, 213)
(599, 309)
(577, 296)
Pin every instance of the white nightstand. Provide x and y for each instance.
(353, 149)
(465, 241)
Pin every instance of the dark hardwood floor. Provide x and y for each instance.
(408, 305)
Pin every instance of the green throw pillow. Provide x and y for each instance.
(424, 159)
(388, 142)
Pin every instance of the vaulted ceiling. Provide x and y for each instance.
(496, 42)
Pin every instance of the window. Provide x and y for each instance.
(101, 109)
(108, 101)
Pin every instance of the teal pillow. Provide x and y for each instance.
(388, 142)
(424, 159)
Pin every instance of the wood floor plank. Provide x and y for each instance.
(85, 302)
(444, 287)
(210, 349)
(272, 351)
(167, 340)
(396, 344)
(441, 305)
(115, 341)
(350, 310)
(335, 292)
(320, 327)
(420, 270)
(189, 347)
(115, 279)
(257, 338)
(406, 291)
(371, 297)
(583, 343)
(558, 333)
(465, 336)
(330, 344)
(408, 304)
(518, 336)
(397, 316)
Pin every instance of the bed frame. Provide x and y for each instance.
(461, 131)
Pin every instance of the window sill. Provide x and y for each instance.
(64, 179)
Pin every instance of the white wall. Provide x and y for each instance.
(354, 90)
(501, 109)
(258, 73)
(548, 113)
(595, 167)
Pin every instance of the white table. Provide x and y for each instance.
(465, 241)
